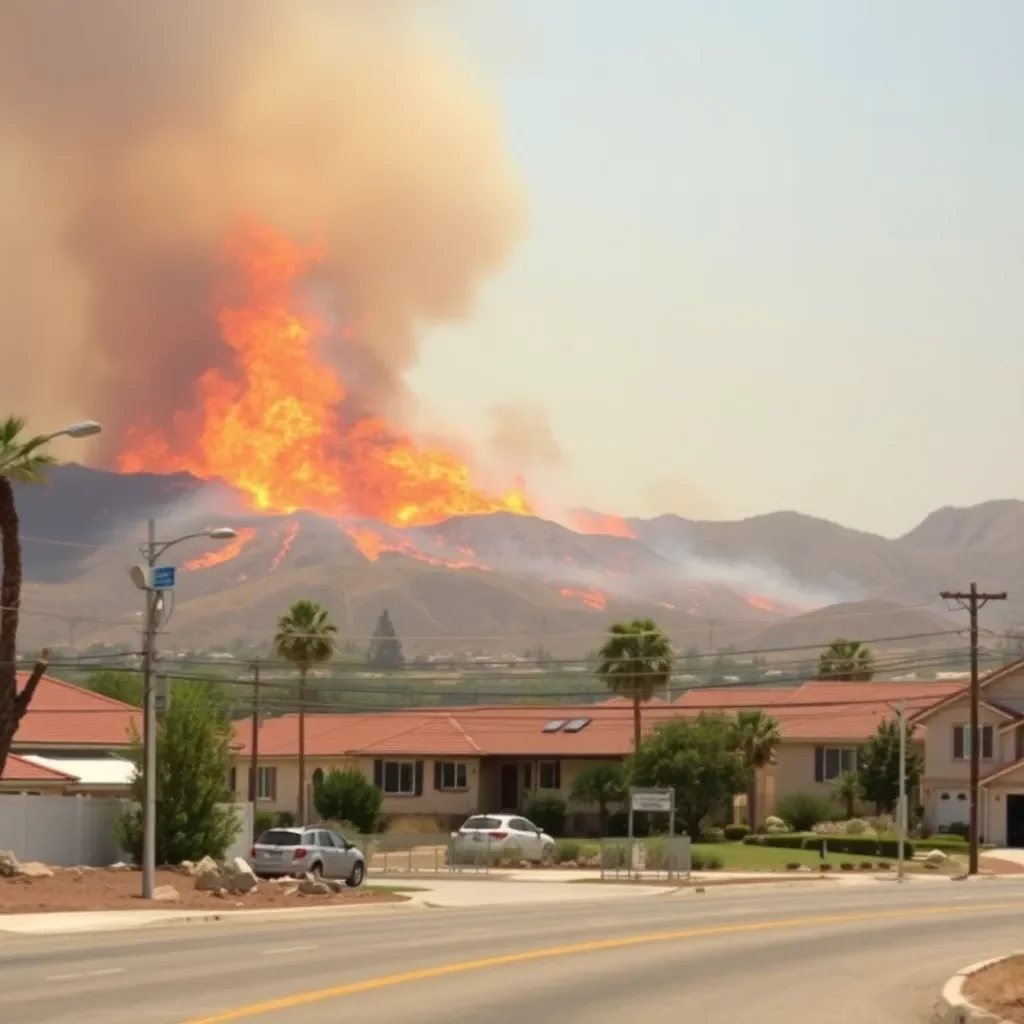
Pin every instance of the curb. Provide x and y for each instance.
(954, 1008)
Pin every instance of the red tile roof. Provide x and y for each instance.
(17, 769)
(62, 714)
(994, 676)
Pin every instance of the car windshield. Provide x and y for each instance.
(278, 837)
(486, 823)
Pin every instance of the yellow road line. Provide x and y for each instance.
(598, 945)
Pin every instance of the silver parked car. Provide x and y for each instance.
(310, 850)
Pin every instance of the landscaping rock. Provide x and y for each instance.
(336, 885)
(33, 869)
(236, 877)
(166, 894)
(313, 887)
(935, 857)
(291, 890)
(120, 865)
(9, 866)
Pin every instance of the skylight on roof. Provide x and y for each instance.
(577, 724)
(554, 726)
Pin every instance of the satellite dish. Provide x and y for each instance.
(139, 576)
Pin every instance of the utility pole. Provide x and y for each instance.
(973, 601)
(151, 554)
(901, 824)
(254, 772)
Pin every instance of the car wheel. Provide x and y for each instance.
(356, 878)
(317, 870)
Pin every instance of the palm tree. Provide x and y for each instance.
(847, 789)
(846, 660)
(305, 636)
(636, 660)
(22, 460)
(601, 783)
(757, 736)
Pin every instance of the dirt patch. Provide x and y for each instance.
(999, 989)
(104, 889)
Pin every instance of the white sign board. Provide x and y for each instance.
(161, 694)
(651, 799)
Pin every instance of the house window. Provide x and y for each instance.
(399, 778)
(549, 775)
(962, 742)
(266, 783)
(450, 775)
(831, 762)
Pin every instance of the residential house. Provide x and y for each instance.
(947, 766)
(71, 742)
(453, 762)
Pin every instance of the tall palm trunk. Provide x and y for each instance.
(10, 600)
(752, 802)
(302, 745)
(637, 724)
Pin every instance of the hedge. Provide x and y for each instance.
(863, 845)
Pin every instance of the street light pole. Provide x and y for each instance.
(151, 552)
(902, 805)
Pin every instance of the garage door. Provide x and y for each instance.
(950, 806)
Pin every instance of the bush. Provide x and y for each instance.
(883, 865)
(712, 862)
(775, 826)
(349, 796)
(948, 844)
(263, 821)
(285, 819)
(736, 833)
(959, 828)
(697, 861)
(846, 866)
(865, 865)
(825, 866)
(549, 814)
(792, 866)
(712, 835)
(568, 849)
(866, 846)
(805, 810)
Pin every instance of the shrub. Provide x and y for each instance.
(712, 835)
(712, 862)
(959, 828)
(549, 814)
(568, 849)
(614, 856)
(774, 826)
(698, 861)
(285, 819)
(263, 821)
(867, 846)
(865, 865)
(825, 866)
(846, 866)
(805, 810)
(857, 827)
(736, 833)
(883, 865)
(792, 866)
(948, 844)
(349, 796)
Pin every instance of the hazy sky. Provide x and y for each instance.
(775, 253)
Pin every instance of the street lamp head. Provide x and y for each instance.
(84, 428)
(221, 533)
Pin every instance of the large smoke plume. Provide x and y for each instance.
(135, 134)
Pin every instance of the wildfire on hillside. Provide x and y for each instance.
(591, 598)
(220, 555)
(595, 522)
(289, 538)
(761, 603)
(277, 425)
(372, 544)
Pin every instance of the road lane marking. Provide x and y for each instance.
(86, 974)
(595, 946)
(288, 949)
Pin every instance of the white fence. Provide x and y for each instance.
(67, 831)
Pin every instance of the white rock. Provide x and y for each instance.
(312, 887)
(336, 885)
(166, 894)
(119, 865)
(934, 857)
(33, 869)
(9, 866)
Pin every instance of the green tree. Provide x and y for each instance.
(193, 756)
(123, 686)
(757, 737)
(878, 766)
(802, 811)
(697, 758)
(305, 636)
(385, 650)
(847, 660)
(847, 790)
(23, 460)
(348, 796)
(636, 662)
(601, 783)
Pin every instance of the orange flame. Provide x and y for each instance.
(293, 529)
(372, 544)
(591, 598)
(223, 554)
(273, 426)
(595, 522)
(761, 603)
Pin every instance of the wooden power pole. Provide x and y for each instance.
(973, 602)
(254, 770)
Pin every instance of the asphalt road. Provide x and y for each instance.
(793, 954)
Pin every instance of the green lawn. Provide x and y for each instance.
(743, 857)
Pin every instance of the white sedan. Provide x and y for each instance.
(502, 834)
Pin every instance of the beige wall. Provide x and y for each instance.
(1008, 690)
(939, 765)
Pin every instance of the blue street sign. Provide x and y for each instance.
(163, 577)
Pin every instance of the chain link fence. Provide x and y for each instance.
(654, 858)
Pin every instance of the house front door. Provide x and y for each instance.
(1015, 819)
(509, 787)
